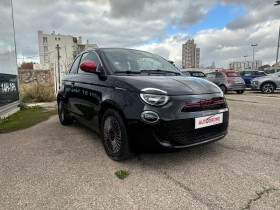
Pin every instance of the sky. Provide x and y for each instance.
(224, 30)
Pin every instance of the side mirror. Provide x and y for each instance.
(88, 66)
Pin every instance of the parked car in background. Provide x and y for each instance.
(132, 97)
(227, 80)
(194, 74)
(267, 84)
(248, 75)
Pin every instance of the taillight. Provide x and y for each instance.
(229, 81)
(243, 81)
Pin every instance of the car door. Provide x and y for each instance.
(89, 93)
(69, 81)
(247, 76)
(211, 77)
(278, 81)
(220, 79)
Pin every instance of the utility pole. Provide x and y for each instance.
(253, 45)
(58, 65)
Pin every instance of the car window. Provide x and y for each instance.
(186, 73)
(136, 61)
(248, 73)
(241, 73)
(261, 73)
(232, 74)
(219, 75)
(89, 56)
(211, 75)
(197, 74)
(75, 65)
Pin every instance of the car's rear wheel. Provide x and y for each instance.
(114, 135)
(240, 91)
(268, 88)
(223, 88)
(64, 117)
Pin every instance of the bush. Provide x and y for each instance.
(23, 106)
(37, 93)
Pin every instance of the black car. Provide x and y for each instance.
(134, 98)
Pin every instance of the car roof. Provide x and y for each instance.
(194, 71)
(228, 71)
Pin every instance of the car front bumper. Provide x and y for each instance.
(255, 85)
(177, 133)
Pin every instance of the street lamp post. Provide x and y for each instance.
(245, 56)
(253, 45)
(277, 3)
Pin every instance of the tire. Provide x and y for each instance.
(268, 88)
(114, 136)
(223, 88)
(240, 91)
(64, 117)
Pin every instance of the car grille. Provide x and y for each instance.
(185, 137)
(203, 105)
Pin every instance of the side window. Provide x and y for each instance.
(75, 65)
(219, 75)
(89, 56)
(241, 73)
(261, 73)
(211, 76)
(247, 73)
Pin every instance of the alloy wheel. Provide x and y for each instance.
(112, 134)
(268, 88)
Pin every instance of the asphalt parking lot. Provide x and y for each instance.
(50, 166)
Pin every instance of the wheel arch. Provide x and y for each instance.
(109, 105)
(269, 81)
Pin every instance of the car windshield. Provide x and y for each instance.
(232, 74)
(198, 74)
(136, 61)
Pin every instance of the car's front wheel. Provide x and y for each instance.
(240, 91)
(114, 135)
(63, 115)
(268, 88)
(223, 88)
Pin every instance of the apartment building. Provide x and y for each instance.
(69, 47)
(190, 55)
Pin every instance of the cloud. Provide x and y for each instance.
(223, 46)
(134, 23)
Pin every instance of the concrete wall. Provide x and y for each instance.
(27, 76)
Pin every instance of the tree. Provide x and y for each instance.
(263, 67)
(25, 65)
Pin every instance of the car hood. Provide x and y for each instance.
(172, 85)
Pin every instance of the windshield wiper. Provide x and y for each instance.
(128, 72)
(159, 71)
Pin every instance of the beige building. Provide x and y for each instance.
(69, 47)
(245, 65)
(190, 55)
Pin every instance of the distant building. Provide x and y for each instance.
(69, 47)
(190, 55)
(245, 65)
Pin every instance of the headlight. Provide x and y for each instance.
(155, 100)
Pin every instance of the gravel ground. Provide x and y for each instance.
(50, 166)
